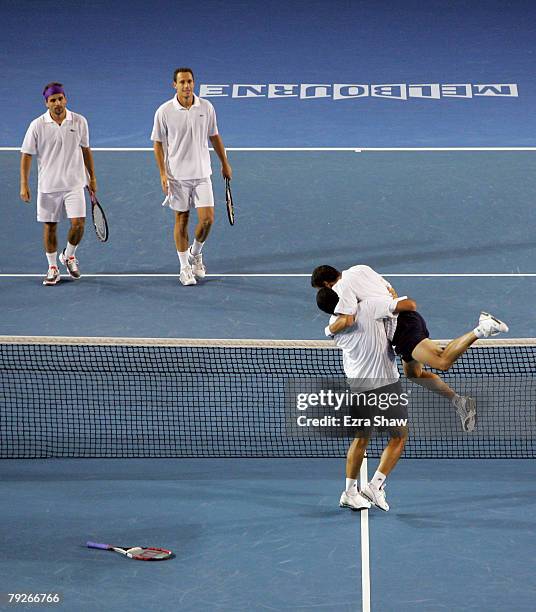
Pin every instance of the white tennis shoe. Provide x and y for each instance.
(186, 276)
(71, 263)
(53, 276)
(466, 410)
(376, 496)
(354, 502)
(490, 325)
(196, 261)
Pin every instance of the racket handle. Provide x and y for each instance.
(97, 545)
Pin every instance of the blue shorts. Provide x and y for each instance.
(410, 330)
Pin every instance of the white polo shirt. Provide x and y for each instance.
(359, 283)
(184, 135)
(59, 156)
(367, 354)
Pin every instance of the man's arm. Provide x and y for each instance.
(342, 322)
(217, 143)
(90, 167)
(25, 165)
(405, 305)
(160, 162)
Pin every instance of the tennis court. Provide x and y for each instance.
(132, 436)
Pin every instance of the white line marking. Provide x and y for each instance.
(365, 553)
(313, 149)
(306, 275)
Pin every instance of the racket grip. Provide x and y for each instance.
(97, 545)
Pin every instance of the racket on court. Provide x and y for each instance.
(99, 218)
(229, 201)
(140, 553)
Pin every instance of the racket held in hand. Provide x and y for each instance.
(99, 218)
(229, 201)
(139, 553)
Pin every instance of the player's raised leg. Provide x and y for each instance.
(429, 353)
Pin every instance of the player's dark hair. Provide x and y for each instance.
(53, 84)
(183, 69)
(327, 300)
(324, 274)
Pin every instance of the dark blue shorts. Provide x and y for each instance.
(410, 330)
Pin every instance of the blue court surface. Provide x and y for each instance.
(391, 134)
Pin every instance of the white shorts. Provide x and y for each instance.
(186, 194)
(53, 207)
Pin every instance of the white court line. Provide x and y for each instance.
(313, 149)
(253, 275)
(365, 551)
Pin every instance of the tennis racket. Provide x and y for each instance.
(139, 553)
(229, 201)
(99, 218)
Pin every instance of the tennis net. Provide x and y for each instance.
(113, 397)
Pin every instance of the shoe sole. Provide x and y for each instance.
(51, 283)
(473, 413)
(352, 508)
(503, 328)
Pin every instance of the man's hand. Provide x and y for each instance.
(164, 183)
(393, 293)
(93, 185)
(25, 193)
(226, 170)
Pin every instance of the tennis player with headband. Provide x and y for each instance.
(181, 130)
(60, 140)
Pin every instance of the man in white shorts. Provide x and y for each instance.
(182, 128)
(60, 140)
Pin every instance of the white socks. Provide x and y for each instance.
(378, 479)
(183, 258)
(196, 247)
(351, 486)
(52, 259)
(70, 249)
(479, 332)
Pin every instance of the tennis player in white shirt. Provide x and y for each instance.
(413, 343)
(60, 140)
(367, 355)
(181, 131)
(370, 367)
